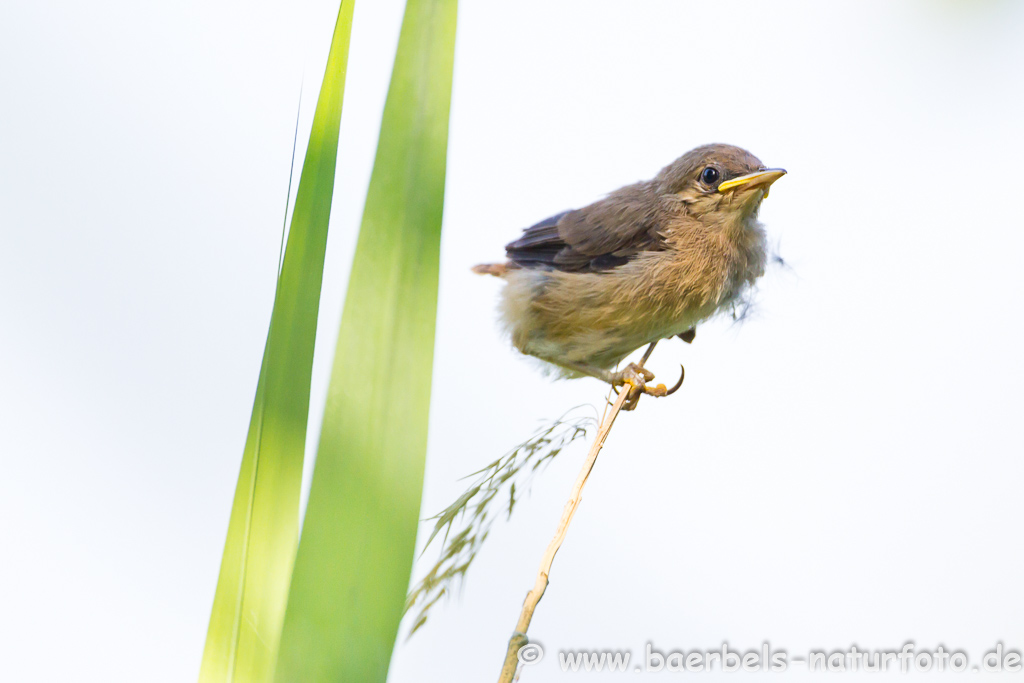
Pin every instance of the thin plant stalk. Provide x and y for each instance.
(519, 638)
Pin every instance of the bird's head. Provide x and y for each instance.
(719, 182)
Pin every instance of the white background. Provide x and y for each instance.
(843, 468)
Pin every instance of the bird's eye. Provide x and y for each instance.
(709, 176)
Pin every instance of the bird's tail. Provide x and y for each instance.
(495, 269)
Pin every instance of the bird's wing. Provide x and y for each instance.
(599, 237)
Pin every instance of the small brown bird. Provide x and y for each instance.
(587, 287)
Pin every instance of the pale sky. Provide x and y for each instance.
(843, 468)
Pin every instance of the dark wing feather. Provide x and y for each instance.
(599, 237)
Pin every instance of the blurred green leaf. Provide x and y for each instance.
(248, 608)
(358, 539)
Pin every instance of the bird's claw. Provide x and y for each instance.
(675, 387)
(637, 377)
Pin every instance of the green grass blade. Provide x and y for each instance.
(248, 608)
(358, 539)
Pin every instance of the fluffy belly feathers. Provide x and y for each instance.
(600, 318)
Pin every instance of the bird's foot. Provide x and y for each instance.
(637, 377)
(633, 374)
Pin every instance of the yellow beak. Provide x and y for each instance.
(756, 179)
